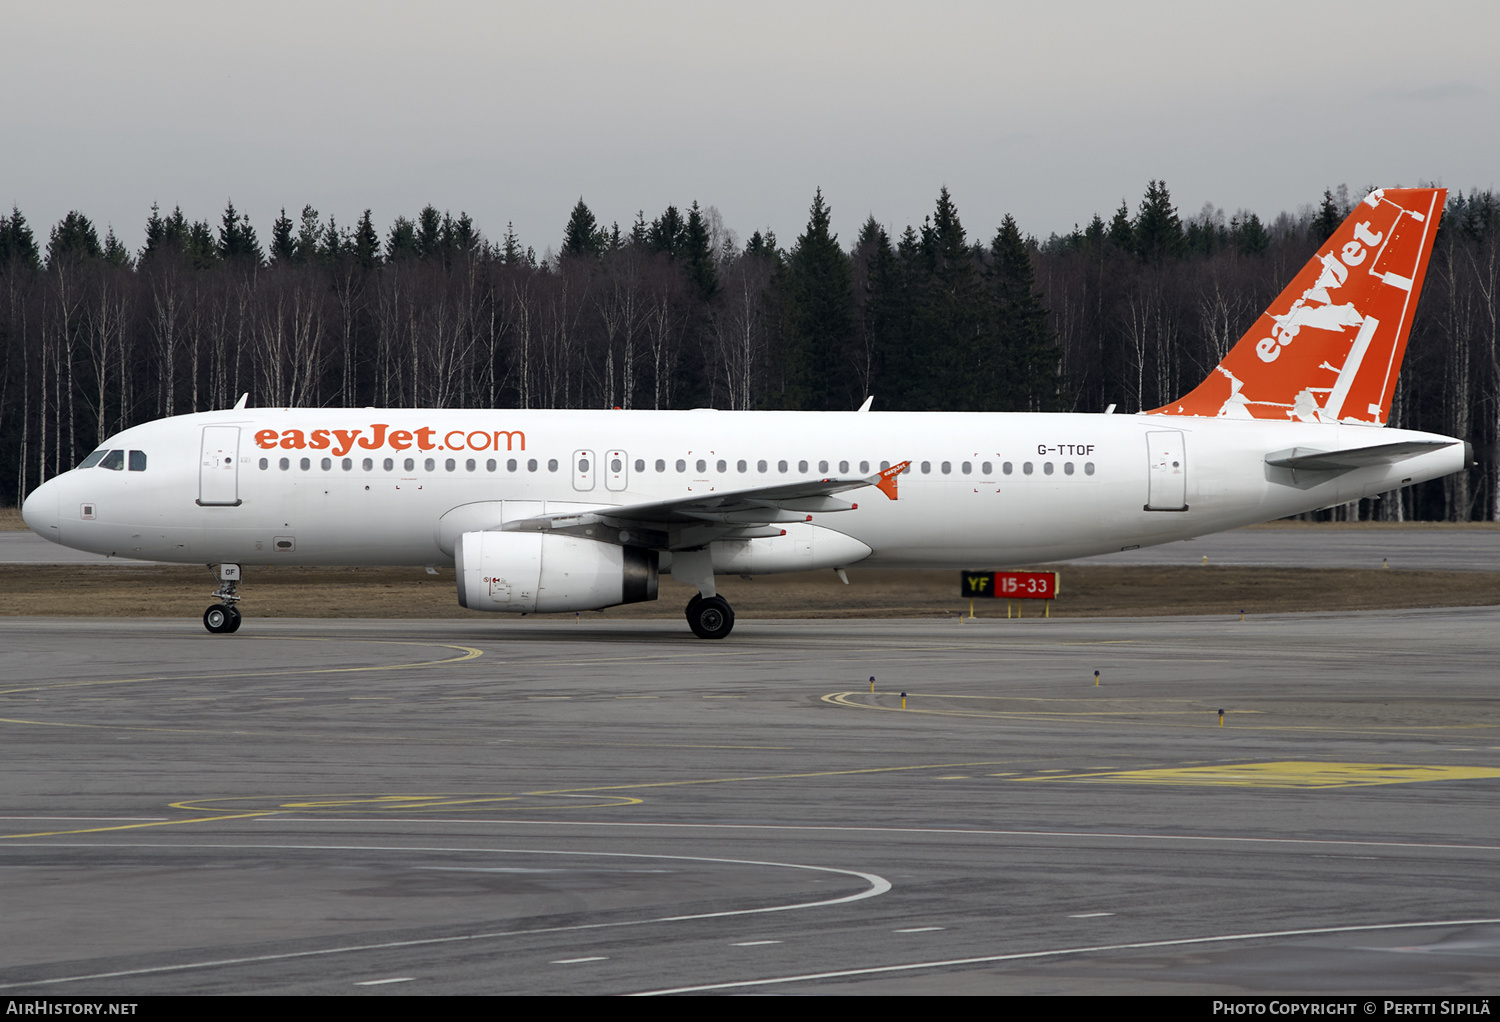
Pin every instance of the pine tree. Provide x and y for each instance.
(697, 256)
(309, 237)
(510, 250)
(666, 233)
(1024, 353)
(283, 247)
(1328, 218)
(401, 241)
(237, 240)
(814, 288)
(582, 237)
(115, 253)
(429, 233)
(1157, 231)
(366, 243)
(1121, 234)
(17, 243)
(73, 238)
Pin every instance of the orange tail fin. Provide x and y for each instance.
(1329, 347)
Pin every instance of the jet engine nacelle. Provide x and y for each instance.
(533, 572)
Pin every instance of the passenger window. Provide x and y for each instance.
(742, 467)
(926, 467)
(761, 467)
(1006, 468)
(1088, 468)
(864, 468)
(114, 461)
(531, 464)
(284, 464)
(884, 465)
(551, 464)
(510, 464)
(327, 464)
(137, 461)
(822, 468)
(1047, 468)
(93, 459)
(470, 465)
(583, 464)
(348, 464)
(801, 466)
(1068, 468)
(265, 463)
(721, 465)
(410, 464)
(489, 466)
(968, 468)
(431, 465)
(389, 464)
(781, 467)
(681, 465)
(368, 464)
(702, 465)
(947, 467)
(986, 468)
(306, 464)
(661, 466)
(843, 468)
(640, 464)
(1026, 468)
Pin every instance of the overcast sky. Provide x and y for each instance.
(512, 111)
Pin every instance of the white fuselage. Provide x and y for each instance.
(314, 487)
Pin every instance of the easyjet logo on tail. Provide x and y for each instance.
(341, 441)
(1329, 347)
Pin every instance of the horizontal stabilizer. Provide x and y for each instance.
(1358, 457)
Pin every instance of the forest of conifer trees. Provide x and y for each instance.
(678, 311)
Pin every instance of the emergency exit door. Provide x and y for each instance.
(1167, 471)
(219, 467)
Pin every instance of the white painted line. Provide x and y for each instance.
(754, 943)
(878, 886)
(575, 961)
(382, 982)
(1089, 915)
(1096, 949)
(919, 929)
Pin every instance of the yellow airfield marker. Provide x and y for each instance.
(1096, 679)
(872, 684)
(1221, 718)
(903, 700)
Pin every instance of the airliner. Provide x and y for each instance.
(544, 511)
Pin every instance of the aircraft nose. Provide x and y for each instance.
(40, 510)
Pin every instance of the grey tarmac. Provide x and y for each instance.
(537, 806)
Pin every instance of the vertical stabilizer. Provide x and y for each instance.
(1329, 347)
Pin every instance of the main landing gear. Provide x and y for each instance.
(710, 617)
(225, 617)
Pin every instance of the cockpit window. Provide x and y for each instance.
(137, 461)
(93, 459)
(114, 461)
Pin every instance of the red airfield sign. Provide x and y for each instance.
(1009, 585)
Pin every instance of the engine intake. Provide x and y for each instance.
(533, 572)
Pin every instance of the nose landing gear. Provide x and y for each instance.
(225, 617)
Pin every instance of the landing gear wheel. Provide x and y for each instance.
(693, 603)
(710, 617)
(219, 619)
(235, 617)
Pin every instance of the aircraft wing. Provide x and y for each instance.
(1358, 457)
(745, 514)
